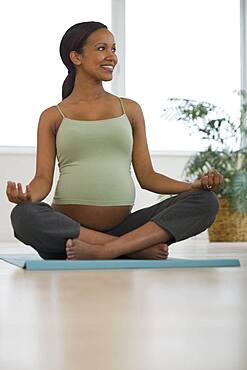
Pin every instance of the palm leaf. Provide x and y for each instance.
(238, 200)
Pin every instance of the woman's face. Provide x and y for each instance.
(98, 57)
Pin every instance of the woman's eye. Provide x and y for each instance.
(100, 48)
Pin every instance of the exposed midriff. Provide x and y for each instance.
(99, 218)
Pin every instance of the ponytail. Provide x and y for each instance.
(68, 84)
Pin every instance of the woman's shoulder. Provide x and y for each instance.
(51, 112)
(50, 117)
(133, 110)
(130, 103)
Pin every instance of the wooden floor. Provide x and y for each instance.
(126, 319)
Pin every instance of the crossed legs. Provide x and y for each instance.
(143, 234)
(184, 215)
(147, 241)
(158, 251)
(56, 236)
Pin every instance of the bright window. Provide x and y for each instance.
(32, 72)
(181, 48)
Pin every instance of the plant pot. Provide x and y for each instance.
(229, 226)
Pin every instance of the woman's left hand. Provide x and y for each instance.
(211, 181)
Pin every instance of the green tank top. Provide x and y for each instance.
(94, 159)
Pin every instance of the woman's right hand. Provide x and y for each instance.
(16, 195)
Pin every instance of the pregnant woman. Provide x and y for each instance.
(96, 137)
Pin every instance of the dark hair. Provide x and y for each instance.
(74, 40)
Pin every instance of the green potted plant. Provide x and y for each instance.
(224, 151)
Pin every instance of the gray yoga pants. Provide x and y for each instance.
(46, 230)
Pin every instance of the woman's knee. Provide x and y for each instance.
(209, 202)
(23, 216)
(19, 214)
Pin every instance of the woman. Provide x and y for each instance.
(96, 136)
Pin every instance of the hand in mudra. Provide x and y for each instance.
(16, 195)
(210, 181)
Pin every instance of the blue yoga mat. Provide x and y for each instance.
(33, 262)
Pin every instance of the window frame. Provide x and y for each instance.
(243, 54)
(118, 5)
(118, 18)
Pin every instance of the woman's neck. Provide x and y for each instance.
(87, 90)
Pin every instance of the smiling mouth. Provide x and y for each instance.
(108, 68)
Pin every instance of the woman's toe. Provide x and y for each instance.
(71, 256)
(69, 243)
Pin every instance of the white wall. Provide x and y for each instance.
(18, 164)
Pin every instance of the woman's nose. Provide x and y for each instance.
(111, 55)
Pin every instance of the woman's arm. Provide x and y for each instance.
(161, 184)
(141, 160)
(41, 184)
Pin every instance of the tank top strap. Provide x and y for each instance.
(122, 105)
(60, 111)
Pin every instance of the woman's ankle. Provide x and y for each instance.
(95, 237)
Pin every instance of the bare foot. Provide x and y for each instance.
(156, 252)
(79, 250)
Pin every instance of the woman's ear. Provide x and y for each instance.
(75, 58)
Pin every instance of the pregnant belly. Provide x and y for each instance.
(98, 218)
